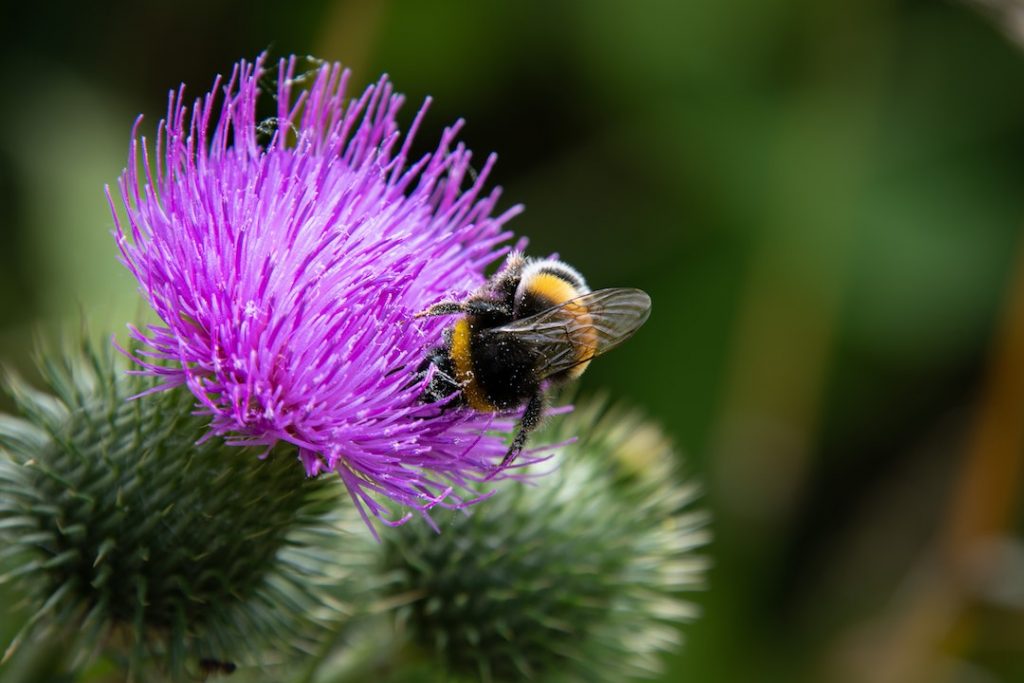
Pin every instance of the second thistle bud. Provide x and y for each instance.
(576, 576)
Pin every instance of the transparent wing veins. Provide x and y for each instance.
(582, 328)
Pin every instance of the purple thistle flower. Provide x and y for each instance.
(286, 276)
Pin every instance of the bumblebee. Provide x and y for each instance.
(533, 325)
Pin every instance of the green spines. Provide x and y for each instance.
(145, 538)
(136, 537)
(574, 576)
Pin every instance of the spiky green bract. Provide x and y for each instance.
(574, 576)
(150, 545)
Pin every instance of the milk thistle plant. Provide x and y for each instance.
(220, 496)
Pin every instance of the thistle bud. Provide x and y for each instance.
(574, 576)
(140, 540)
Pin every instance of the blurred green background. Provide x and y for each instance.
(824, 200)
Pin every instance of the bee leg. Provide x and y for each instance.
(442, 308)
(472, 307)
(481, 307)
(527, 423)
(442, 384)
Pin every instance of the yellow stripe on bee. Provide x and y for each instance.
(584, 338)
(463, 360)
(551, 287)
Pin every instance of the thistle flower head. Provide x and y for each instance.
(286, 273)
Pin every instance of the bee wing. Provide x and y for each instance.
(581, 328)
